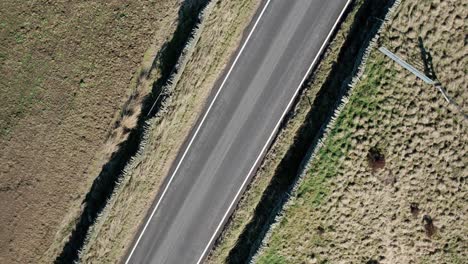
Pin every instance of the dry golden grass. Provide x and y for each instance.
(343, 211)
(206, 57)
(67, 70)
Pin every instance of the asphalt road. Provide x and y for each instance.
(285, 39)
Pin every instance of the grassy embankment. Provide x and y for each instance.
(203, 61)
(388, 183)
(67, 70)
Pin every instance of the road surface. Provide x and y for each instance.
(284, 41)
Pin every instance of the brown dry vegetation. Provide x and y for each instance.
(413, 208)
(216, 40)
(66, 69)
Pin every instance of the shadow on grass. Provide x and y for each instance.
(363, 29)
(427, 61)
(105, 183)
(430, 72)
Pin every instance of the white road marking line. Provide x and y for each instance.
(272, 135)
(196, 132)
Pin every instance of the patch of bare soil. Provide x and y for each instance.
(66, 69)
(389, 183)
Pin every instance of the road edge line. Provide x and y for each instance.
(197, 130)
(272, 134)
